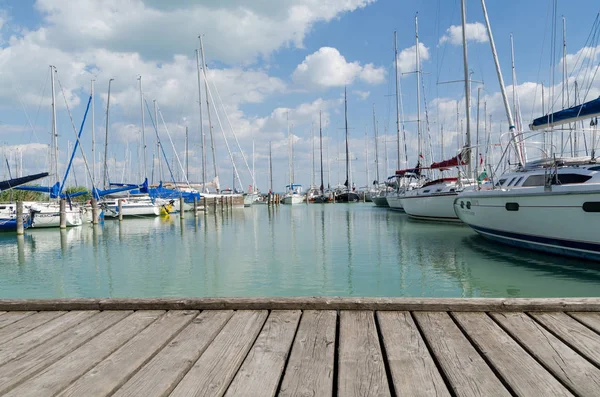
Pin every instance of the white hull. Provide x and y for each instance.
(394, 201)
(293, 199)
(249, 199)
(132, 209)
(48, 214)
(433, 207)
(531, 218)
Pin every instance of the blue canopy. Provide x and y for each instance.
(580, 112)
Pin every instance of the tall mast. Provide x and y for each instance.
(565, 86)
(321, 150)
(290, 151)
(106, 137)
(347, 149)
(144, 173)
(477, 137)
(312, 171)
(397, 101)
(514, 81)
(158, 149)
(93, 138)
(202, 136)
(467, 88)
(210, 129)
(376, 146)
(253, 178)
(270, 169)
(187, 157)
(420, 148)
(367, 155)
(509, 116)
(54, 130)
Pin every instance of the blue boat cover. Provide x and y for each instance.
(575, 113)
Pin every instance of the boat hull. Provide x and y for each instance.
(394, 201)
(380, 201)
(434, 207)
(293, 199)
(556, 222)
(132, 209)
(347, 197)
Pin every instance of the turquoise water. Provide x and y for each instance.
(305, 250)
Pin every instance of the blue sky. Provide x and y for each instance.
(266, 59)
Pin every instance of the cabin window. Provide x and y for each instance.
(518, 180)
(2, 207)
(439, 190)
(512, 206)
(452, 190)
(511, 181)
(591, 206)
(426, 191)
(534, 180)
(594, 168)
(501, 182)
(566, 179)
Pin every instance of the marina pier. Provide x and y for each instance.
(300, 347)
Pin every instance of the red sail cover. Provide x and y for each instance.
(453, 162)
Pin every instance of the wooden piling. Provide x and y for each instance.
(181, 208)
(215, 204)
(195, 207)
(20, 226)
(221, 200)
(63, 213)
(120, 204)
(94, 211)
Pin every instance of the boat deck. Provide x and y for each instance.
(300, 347)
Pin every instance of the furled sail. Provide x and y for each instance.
(460, 159)
(9, 184)
(580, 112)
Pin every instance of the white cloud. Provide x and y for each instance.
(328, 68)
(407, 58)
(475, 32)
(158, 29)
(362, 94)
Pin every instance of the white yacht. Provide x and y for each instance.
(47, 214)
(551, 206)
(131, 206)
(434, 201)
(294, 195)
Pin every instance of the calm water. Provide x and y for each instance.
(335, 250)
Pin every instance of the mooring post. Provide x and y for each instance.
(215, 204)
(63, 213)
(221, 203)
(120, 209)
(181, 208)
(20, 226)
(195, 207)
(94, 211)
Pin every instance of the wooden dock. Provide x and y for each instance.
(300, 347)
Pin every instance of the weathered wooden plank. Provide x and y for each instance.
(25, 324)
(467, 373)
(576, 372)
(310, 368)
(311, 303)
(160, 376)
(117, 368)
(27, 341)
(54, 349)
(10, 317)
(213, 371)
(523, 374)
(592, 320)
(262, 369)
(361, 371)
(66, 370)
(412, 368)
(575, 334)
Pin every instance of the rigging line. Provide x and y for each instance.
(234, 134)
(26, 116)
(224, 137)
(586, 44)
(173, 146)
(162, 149)
(537, 79)
(87, 167)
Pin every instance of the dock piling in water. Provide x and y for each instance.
(181, 209)
(120, 203)
(63, 213)
(20, 226)
(195, 207)
(94, 211)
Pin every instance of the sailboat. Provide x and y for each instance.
(293, 193)
(434, 201)
(550, 205)
(346, 195)
(321, 197)
(8, 211)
